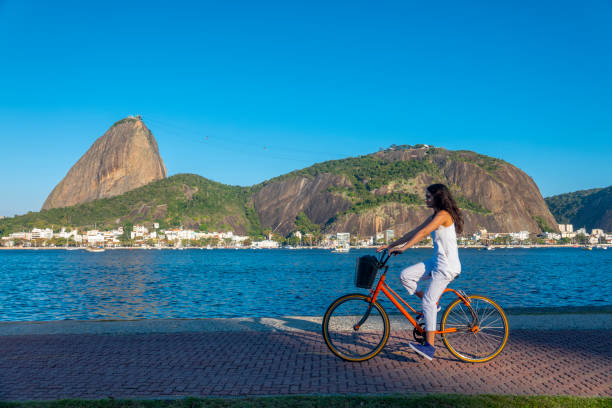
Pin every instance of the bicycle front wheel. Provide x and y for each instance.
(354, 329)
(481, 329)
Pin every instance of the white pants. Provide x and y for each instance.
(425, 271)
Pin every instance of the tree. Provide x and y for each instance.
(127, 231)
(293, 240)
(581, 239)
(305, 225)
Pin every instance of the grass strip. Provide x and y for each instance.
(420, 401)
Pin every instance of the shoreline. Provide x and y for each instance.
(479, 247)
(599, 318)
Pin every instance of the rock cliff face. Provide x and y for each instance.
(493, 194)
(124, 158)
(278, 203)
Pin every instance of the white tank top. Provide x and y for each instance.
(446, 254)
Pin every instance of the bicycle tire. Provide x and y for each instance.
(343, 339)
(475, 346)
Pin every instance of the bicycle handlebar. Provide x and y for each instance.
(384, 258)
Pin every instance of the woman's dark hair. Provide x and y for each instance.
(443, 200)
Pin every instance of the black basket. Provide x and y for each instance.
(365, 271)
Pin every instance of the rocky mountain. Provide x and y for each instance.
(361, 195)
(385, 190)
(124, 158)
(585, 208)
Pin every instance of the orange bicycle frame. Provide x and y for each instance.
(393, 297)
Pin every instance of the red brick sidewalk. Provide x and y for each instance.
(272, 363)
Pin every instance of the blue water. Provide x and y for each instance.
(124, 284)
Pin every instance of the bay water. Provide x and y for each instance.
(136, 284)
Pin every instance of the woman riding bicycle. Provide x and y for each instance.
(442, 268)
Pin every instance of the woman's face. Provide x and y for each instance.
(428, 199)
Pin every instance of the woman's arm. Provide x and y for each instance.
(406, 236)
(430, 225)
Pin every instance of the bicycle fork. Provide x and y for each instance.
(364, 318)
(466, 300)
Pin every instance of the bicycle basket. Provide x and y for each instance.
(365, 271)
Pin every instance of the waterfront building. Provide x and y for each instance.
(389, 235)
(520, 236)
(552, 235)
(139, 231)
(94, 237)
(38, 233)
(266, 243)
(567, 228)
(343, 239)
(27, 236)
(596, 232)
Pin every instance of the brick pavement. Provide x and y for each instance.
(271, 363)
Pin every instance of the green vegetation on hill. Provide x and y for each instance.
(369, 173)
(564, 207)
(184, 199)
(365, 173)
(586, 208)
(487, 163)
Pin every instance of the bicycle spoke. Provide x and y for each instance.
(344, 340)
(477, 345)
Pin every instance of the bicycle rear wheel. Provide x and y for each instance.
(481, 329)
(344, 338)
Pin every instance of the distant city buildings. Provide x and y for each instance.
(140, 235)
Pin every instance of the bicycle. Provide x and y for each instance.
(356, 327)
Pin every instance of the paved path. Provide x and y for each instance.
(234, 363)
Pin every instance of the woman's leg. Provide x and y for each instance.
(411, 275)
(430, 307)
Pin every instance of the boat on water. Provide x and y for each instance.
(587, 248)
(340, 249)
(91, 249)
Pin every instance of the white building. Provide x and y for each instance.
(95, 237)
(552, 235)
(66, 235)
(139, 231)
(389, 235)
(186, 234)
(566, 228)
(596, 232)
(581, 231)
(520, 236)
(21, 235)
(266, 243)
(343, 239)
(38, 233)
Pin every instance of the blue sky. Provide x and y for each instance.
(240, 92)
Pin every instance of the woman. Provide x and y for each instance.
(443, 225)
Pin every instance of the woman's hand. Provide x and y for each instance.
(382, 248)
(398, 250)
